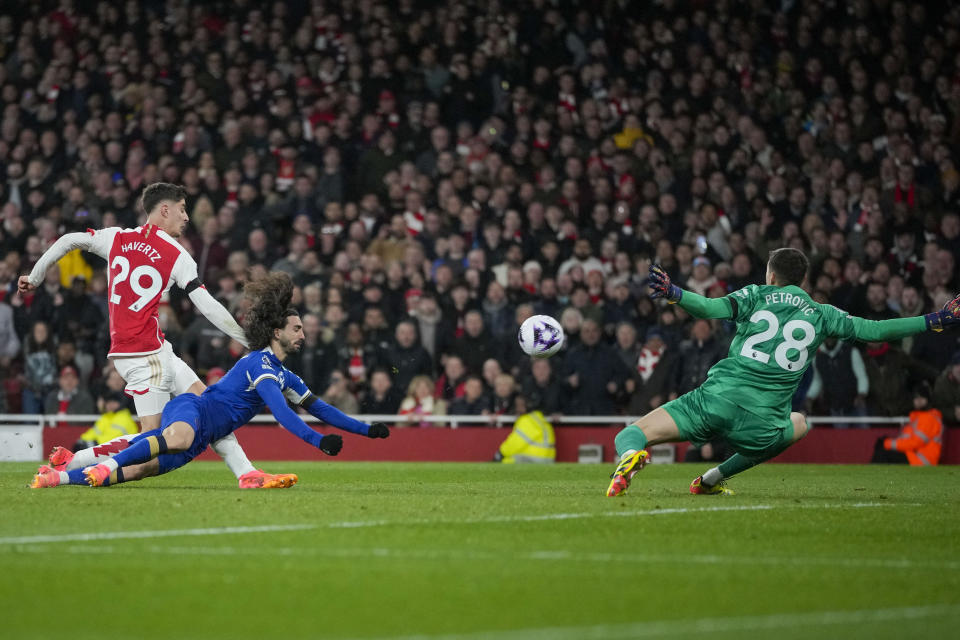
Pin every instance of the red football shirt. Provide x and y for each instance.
(142, 265)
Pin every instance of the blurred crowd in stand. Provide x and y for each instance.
(432, 173)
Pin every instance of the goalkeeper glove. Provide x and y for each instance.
(378, 430)
(947, 317)
(661, 287)
(331, 445)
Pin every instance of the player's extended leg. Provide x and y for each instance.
(48, 477)
(176, 437)
(710, 483)
(248, 476)
(656, 427)
(62, 459)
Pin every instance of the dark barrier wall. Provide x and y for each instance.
(478, 444)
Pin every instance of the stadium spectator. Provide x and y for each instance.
(475, 346)
(593, 374)
(69, 398)
(626, 345)
(541, 389)
(586, 136)
(840, 383)
(206, 347)
(946, 392)
(511, 358)
(474, 401)
(490, 370)
(40, 368)
(406, 358)
(9, 342)
(702, 278)
(504, 395)
(115, 421)
(383, 397)
(891, 374)
(338, 394)
(429, 319)
(357, 356)
(656, 372)
(920, 441)
(532, 440)
(317, 358)
(698, 353)
(450, 384)
(419, 402)
(69, 356)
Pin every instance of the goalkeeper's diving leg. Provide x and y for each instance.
(656, 427)
(711, 482)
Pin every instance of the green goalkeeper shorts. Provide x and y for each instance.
(702, 417)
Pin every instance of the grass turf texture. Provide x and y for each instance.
(396, 550)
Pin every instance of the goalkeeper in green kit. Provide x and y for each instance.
(746, 396)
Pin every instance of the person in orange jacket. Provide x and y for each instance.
(920, 440)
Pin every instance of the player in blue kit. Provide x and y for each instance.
(189, 423)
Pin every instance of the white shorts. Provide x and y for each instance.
(152, 380)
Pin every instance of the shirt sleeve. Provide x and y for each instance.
(184, 274)
(701, 307)
(259, 370)
(743, 302)
(98, 242)
(296, 389)
(268, 388)
(846, 327)
(336, 418)
(217, 314)
(184, 270)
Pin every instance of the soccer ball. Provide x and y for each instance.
(540, 336)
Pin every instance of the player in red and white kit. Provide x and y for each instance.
(143, 264)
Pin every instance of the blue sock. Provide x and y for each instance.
(76, 477)
(143, 450)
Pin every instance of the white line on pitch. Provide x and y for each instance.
(540, 555)
(214, 531)
(160, 533)
(706, 626)
(609, 514)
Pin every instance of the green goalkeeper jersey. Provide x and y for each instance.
(778, 332)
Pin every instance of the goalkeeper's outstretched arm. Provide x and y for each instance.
(897, 328)
(694, 304)
(701, 307)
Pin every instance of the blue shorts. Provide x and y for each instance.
(183, 408)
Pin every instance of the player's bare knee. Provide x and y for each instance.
(178, 436)
(658, 426)
(800, 425)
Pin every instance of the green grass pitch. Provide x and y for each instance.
(484, 551)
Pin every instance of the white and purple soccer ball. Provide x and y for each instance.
(540, 336)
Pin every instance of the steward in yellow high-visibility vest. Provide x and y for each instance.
(532, 440)
(72, 265)
(111, 425)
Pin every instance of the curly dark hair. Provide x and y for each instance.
(271, 296)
